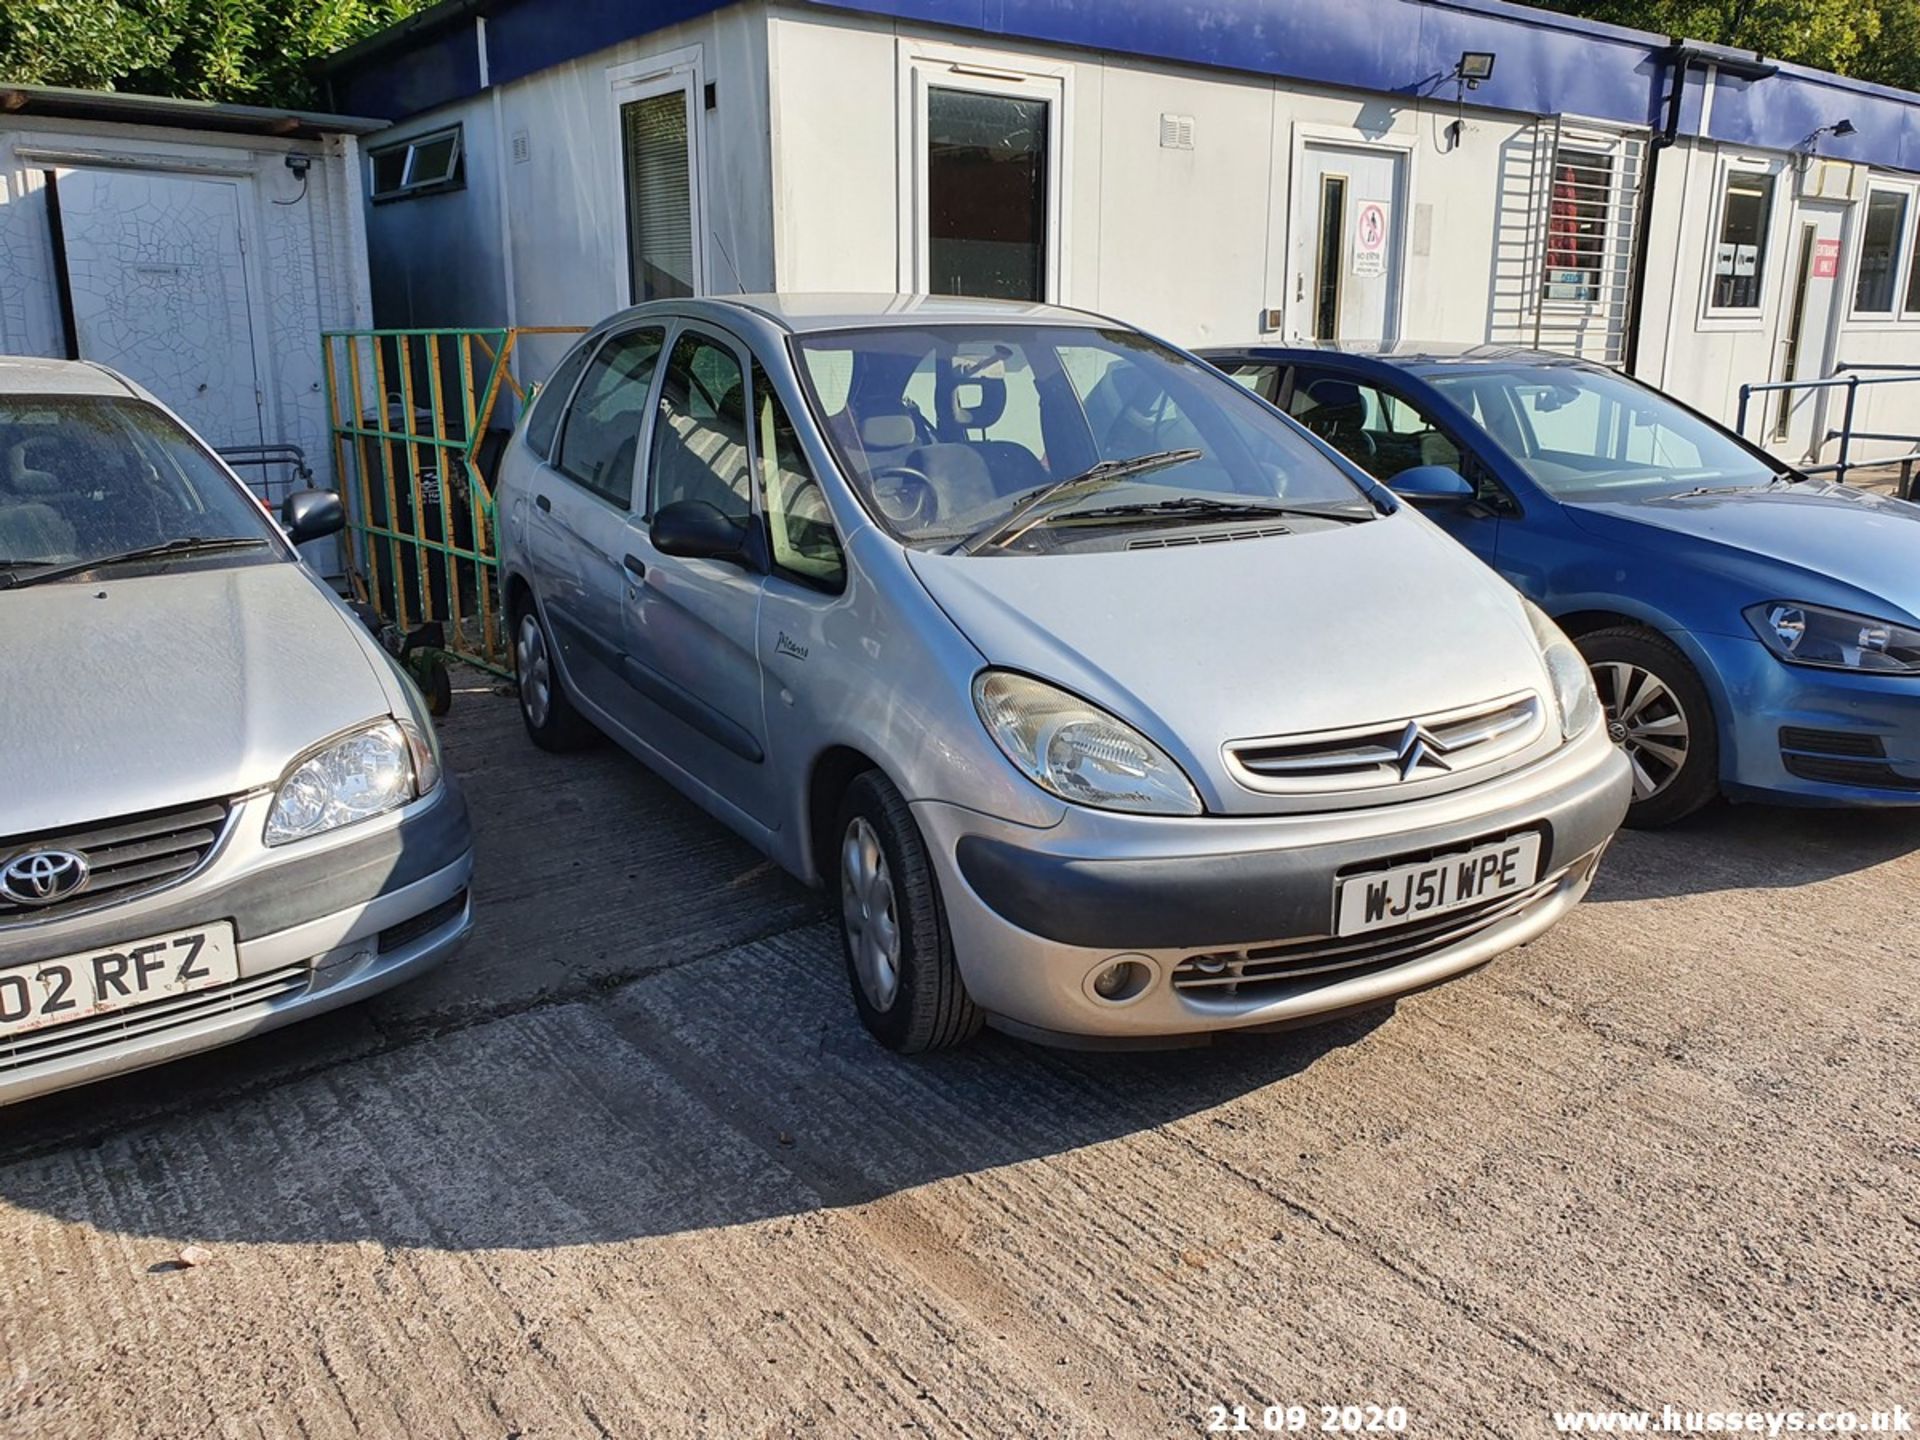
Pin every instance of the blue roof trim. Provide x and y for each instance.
(433, 71)
(530, 36)
(1549, 63)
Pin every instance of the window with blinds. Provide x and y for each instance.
(653, 142)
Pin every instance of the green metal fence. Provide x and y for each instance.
(410, 412)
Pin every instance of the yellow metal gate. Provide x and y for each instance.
(411, 412)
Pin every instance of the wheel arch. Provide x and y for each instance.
(832, 771)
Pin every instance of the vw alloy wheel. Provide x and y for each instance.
(1645, 719)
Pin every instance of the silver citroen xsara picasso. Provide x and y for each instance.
(221, 805)
(1107, 701)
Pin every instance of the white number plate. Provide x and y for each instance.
(77, 987)
(1431, 887)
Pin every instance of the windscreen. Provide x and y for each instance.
(1590, 434)
(945, 428)
(85, 477)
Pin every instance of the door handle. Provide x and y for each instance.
(544, 503)
(634, 566)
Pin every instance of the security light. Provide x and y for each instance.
(1475, 66)
(1842, 127)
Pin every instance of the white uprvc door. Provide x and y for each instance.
(1347, 245)
(158, 278)
(1806, 320)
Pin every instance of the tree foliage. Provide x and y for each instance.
(1872, 39)
(259, 50)
(252, 51)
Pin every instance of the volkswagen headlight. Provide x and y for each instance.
(1573, 694)
(356, 777)
(1804, 634)
(1078, 751)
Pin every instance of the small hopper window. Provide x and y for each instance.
(421, 165)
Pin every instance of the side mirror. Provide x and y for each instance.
(311, 514)
(1440, 486)
(695, 530)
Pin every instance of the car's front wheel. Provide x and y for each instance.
(893, 926)
(1659, 714)
(552, 722)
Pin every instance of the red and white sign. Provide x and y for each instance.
(1370, 238)
(1826, 259)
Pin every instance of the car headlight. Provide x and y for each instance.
(1078, 751)
(367, 773)
(1804, 634)
(1572, 677)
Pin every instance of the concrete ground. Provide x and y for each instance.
(630, 1167)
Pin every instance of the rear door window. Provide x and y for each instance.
(602, 433)
(544, 423)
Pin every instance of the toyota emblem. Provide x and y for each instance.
(41, 877)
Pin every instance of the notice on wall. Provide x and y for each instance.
(1826, 259)
(1371, 223)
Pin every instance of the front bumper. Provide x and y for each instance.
(1793, 734)
(1034, 913)
(317, 925)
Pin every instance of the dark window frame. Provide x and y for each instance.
(408, 185)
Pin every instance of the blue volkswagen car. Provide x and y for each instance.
(1753, 633)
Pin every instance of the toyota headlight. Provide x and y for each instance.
(1573, 694)
(361, 775)
(1078, 751)
(1804, 634)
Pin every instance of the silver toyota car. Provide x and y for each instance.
(1110, 703)
(221, 805)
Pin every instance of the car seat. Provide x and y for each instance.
(1339, 417)
(1010, 466)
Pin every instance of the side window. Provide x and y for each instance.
(700, 440)
(552, 399)
(602, 433)
(1263, 380)
(1382, 432)
(798, 523)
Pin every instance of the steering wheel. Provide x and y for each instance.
(906, 496)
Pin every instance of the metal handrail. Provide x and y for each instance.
(1849, 378)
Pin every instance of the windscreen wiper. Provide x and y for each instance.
(1775, 483)
(1014, 523)
(1208, 508)
(14, 580)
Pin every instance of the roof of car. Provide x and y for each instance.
(806, 313)
(1400, 353)
(32, 375)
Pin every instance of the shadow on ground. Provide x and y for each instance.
(1753, 847)
(732, 1090)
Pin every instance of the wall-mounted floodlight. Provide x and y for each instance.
(1474, 66)
(1839, 127)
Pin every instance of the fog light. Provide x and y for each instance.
(1123, 978)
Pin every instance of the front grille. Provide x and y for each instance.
(1227, 974)
(1832, 742)
(104, 1032)
(126, 857)
(1840, 757)
(1369, 756)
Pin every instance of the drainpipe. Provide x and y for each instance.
(1673, 68)
(1675, 60)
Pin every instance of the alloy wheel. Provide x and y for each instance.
(536, 675)
(1645, 719)
(868, 907)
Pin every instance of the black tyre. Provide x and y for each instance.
(893, 927)
(552, 722)
(1659, 713)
